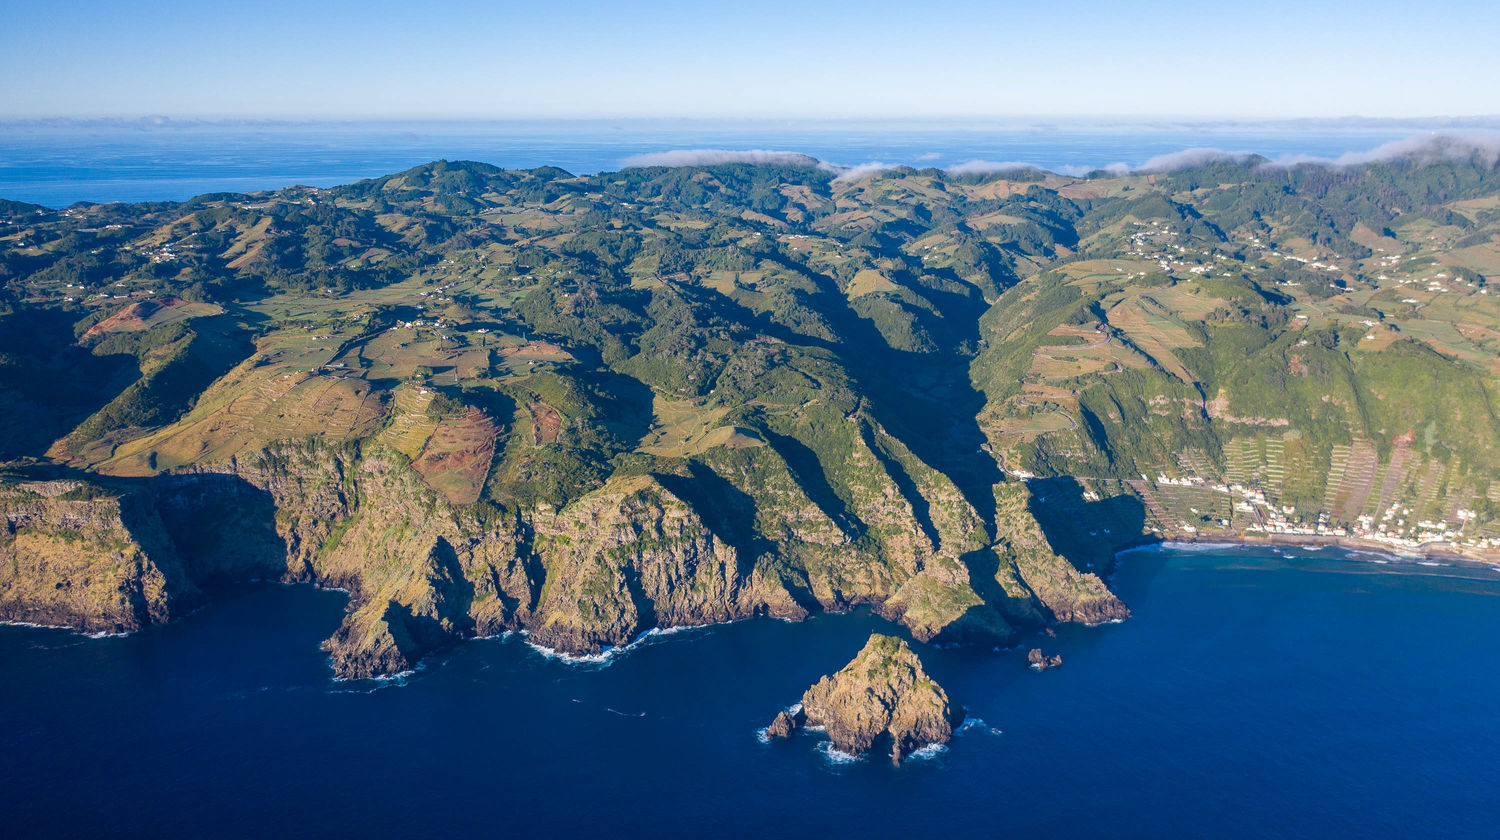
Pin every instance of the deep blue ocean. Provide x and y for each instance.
(56, 165)
(1253, 694)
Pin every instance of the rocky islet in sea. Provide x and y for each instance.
(882, 701)
(1040, 661)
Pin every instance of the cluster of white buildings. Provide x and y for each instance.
(420, 322)
(1170, 256)
(1313, 264)
(1391, 527)
(1440, 283)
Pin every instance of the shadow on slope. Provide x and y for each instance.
(49, 384)
(1086, 533)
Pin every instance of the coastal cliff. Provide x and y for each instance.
(1061, 590)
(593, 574)
(73, 554)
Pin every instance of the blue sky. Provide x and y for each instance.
(656, 58)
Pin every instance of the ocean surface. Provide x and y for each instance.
(1254, 694)
(56, 165)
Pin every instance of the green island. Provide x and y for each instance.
(586, 407)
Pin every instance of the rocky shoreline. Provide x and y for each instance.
(116, 554)
(1424, 552)
(110, 555)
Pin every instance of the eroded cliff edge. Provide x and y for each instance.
(638, 553)
(73, 554)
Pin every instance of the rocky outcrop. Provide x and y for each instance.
(785, 723)
(75, 554)
(1040, 661)
(422, 573)
(939, 604)
(1024, 557)
(881, 701)
(377, 642)
(633, 556)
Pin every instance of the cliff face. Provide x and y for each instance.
(422, 573)
(76, 555)
(1027, 564)
(883, 700)
(898, 538)
(741, 539)
(633, 556)
(311, 488)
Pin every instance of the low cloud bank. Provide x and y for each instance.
(854, 173)
(1190, 159)
(716, 157)
(1420, 150)
(719, 157)
(990, 167)
(1185, 159)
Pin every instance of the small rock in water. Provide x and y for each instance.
(784, 724)
(1040, 661)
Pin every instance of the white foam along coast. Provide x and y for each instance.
(608, 654)
(101, 634)
(833, 755)
(928, 752)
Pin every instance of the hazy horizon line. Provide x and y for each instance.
(1031, 121)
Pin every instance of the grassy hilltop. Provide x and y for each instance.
(685, 394)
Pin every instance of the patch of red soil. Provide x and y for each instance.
(456, 460)
(545, 423)
(132, 317)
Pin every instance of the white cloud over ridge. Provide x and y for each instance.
(717, 157)
(988, 167)
(863, 170)
(1419, 150)
(1074, 170)
(1190, 159)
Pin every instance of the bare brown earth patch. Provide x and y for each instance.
(538, 350)
(145, 314)
(456, 460)
(1218, 409)
(545, 423)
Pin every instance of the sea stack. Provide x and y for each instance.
(881, 701)
(1040, 661)
(784, 724)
